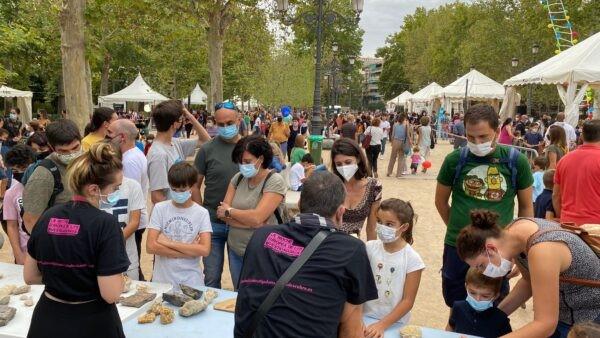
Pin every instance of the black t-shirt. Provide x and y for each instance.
(489, 323)
(543, 203)
(74, 243)
(312, 303)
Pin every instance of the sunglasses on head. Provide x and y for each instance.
(226, 105)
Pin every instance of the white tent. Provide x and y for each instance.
(425, 98)
(480, 87)
(576, 66)
(137, 91)
(23, 100)
(246, 105)
(197, 96)
(400, 100)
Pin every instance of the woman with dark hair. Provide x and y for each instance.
(555, 265)
(39, 143)
(98, 127)
(558, 145)
(349, 163)
(294, 131)
(377, 135)
(506, 133)
(401, 140)
(255, 197)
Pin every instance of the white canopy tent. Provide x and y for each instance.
(197, 96)
(245, 105)
(474, 86)
(400, 100)
(23, 100)
(137, 91)
(578, 66)
(426, 97)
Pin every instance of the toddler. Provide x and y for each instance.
(415, 160)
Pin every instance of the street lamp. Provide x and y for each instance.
(351, 60)
(534, 50)
(318, 19)
(334, 47)
(515, 62)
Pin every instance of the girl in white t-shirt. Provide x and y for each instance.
(396, 266)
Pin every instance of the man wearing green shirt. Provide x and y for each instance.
(484, 175)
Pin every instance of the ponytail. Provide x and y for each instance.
(405, 214)
(97, 166)
(471, 240)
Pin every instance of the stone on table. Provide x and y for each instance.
(21, 289)
(167, 315)
(4, 300)
(146, 318)
(7, 313)
(176, 298)
(196, 306)
(138, 299)
(190, 291)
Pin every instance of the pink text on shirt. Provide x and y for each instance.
(282, 245)
(62, 227)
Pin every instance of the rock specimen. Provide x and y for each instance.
(1, 276)
(138, 299)
(28, 302)
(126, 284)
(156, 307)
(142, 288)
(7, 290)
(195, 306)
(166, 315)
(21, 289)
(190, 291)
(411, 331)
(7, 313)
(24, 297)
(176, 298)
(4, 300)
(146, 318)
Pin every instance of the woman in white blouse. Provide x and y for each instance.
(377, 134)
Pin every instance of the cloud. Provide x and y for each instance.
(380, 18)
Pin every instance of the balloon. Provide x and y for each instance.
(550, 25)
(285, 111)
(147, 108)
(575, 41)
(556, 51)
(567, 17)
(426, 164)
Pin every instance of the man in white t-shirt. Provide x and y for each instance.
(128, 210)
(168, 117)
(569, 130)
(385, 125)
(123, 134)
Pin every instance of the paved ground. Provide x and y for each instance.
(429, 309)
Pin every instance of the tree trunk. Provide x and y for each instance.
(215, 60)
(105, 74)
(76, 78)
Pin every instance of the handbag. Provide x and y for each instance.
(406, 145)
(289, 273)
(366, 142)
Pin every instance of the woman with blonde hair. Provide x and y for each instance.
(78, 251)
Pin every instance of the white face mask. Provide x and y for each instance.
(482, 149)
(386, 234)
(494, 271)
(347, 171)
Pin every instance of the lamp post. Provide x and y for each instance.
(534, 50)
(317, 19)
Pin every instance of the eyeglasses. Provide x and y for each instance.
(226, 105)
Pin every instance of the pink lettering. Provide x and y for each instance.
(62, 227)
(290, 285)
(282, 245)
(64, 265)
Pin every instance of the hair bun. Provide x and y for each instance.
(484, 219)
(102, 152)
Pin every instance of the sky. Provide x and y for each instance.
(380, 18)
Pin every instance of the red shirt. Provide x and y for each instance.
(578, 174)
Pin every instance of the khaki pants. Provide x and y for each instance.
(397, 154)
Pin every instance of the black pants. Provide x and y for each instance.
(188, 130)
(94, 319)
(373, 155)
(138, 244)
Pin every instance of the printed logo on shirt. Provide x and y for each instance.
(62, 227)
(282, 245)
(485, 182)
(119, 211)
(179, 229)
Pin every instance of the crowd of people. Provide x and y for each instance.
(75, 211)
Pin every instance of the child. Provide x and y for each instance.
(300, 171)
(18, 159)
(138, 143)
(543, 203)
(396, 266)
(540, 164)
(585, 330)
(179, 232)
(149, 140)
(477, 315)
(298, 151)
(415, 160)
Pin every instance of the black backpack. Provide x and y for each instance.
(51, 166)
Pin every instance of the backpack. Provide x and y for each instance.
(51, 166)
(280, 219)
(511, 160)
(432, 138)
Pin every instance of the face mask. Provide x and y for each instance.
(67, 158)
(248, 170)
(347, 171)
(386, 234)
(111, 199)
(209, 125)
(180, 197)
(228, 132)
(494, 271)
(479, 305)
(481, 149)
(13, 116)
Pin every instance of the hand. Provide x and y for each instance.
(221, 210)
(375, 330)
(162, 239)
(20, 259)
(513, 273)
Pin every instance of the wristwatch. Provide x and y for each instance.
(228, 212)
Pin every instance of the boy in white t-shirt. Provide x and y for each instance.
(300, 171)
(179, 232)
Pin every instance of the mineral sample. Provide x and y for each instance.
(126, 284)
(7, 290)
(176, 298)
(138, 299)
(146, 318)
(156, 307)
(6, 314)
(21, 289)
(28, 302)
(4, 300)
(195, 306)
(166, 315)
(142, 288)
(24, 297)
(189, 291)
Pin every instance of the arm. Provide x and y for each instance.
(372, 222)
(134, 223)
(510, 132)
(517, 296)
(351, 322)
(157, 196)
(196, 197)
(203, 136)
(551, 160)
(199, 185)
(442, 196)
(525, 196)
(556, 199)
(31, 273)
(253, 218)
(411, 286)
(155, 248)
(12, 229)
(111, 287)
(200, 247)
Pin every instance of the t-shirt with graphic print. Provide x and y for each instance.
(162, 156)
(131, 199)
(180, 225)
(482, 186)
(13, 207)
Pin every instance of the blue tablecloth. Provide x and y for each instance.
(219, 324)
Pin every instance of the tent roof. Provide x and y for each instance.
(197, 96)
(428, 93)
(480, 87)
(580, 63)
(11, 92)
(137, 91)
(401, 99)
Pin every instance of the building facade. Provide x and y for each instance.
(371, 71)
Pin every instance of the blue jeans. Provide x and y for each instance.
(383, 142)
(213, 263)
(235, 267)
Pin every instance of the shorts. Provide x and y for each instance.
(414, 166)
(454, 271)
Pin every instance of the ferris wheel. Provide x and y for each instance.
(561, 25)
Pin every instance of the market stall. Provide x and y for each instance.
(23, 100)
(399, 101)
(473, 86)
(137, 91)
(197, 96)
(425, 99)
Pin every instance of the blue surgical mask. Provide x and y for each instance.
(248, 170)
(228, 132)
(111, 199)
(479, 305)
(180, 196)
